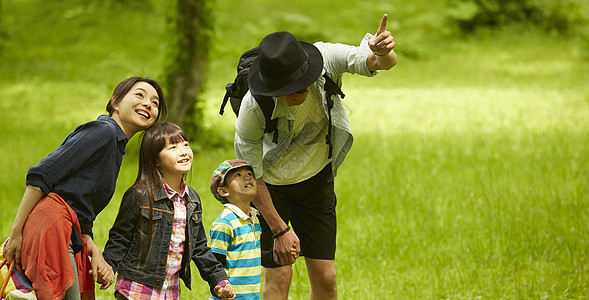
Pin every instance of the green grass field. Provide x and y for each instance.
(469, 175)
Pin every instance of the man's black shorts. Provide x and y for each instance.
(309, 206)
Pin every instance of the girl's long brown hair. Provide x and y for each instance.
(149, 178)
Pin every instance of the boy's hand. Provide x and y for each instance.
(294, 252)
(224, 290)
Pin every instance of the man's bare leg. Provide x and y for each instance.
(276, 283)
(322, 276)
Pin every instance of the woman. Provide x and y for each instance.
(52, 230)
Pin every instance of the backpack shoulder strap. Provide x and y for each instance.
(331, 88)
(267, 105)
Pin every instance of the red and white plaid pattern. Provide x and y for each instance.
(171, 287)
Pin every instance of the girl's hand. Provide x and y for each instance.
(224, 290)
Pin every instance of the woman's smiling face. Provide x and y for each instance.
(138, 109)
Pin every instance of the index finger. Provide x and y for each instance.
(383, 25)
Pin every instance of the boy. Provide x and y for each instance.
(235, 234)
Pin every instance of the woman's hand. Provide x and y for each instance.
(12, 248)
(101, 271)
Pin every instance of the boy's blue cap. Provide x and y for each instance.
(218, 178)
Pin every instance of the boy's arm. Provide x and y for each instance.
(221, 238)
(221, 234)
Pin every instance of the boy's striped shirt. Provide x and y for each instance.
(236, 235)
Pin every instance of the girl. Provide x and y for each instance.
(52, 232)
(159, 226)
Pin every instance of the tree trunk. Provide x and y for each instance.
(187, 56)
(1, 23)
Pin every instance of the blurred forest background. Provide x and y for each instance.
(469, 177)
(184, 43)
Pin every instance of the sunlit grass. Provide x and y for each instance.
(462, 192)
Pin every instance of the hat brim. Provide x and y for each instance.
(257, 87)
(237, 167)
(218, 177)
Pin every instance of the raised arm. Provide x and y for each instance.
(382, 57)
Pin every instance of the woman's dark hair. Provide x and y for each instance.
(123, 88)
(149, 178)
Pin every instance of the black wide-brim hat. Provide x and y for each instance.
(284, 65)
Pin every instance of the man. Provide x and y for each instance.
(295, 169)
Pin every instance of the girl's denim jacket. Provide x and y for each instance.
(127, 241)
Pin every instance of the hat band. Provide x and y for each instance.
(287, 79)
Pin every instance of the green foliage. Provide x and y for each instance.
(562, 16)
(469, 172)
(80, 40)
